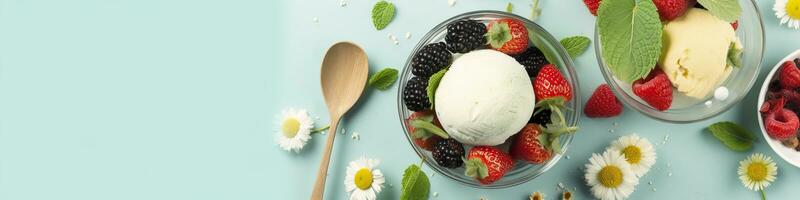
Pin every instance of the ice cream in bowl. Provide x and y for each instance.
(488, 99)
(680, 66)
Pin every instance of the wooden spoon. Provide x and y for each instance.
(343, 77)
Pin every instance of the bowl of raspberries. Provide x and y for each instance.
(488, 99)
(779, 107)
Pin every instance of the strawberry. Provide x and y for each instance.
(781, 123)
(592, 5)
(789, 76)
(550, 83)
(602, 103)
(527, 145)
(425, 141)
(671, 9)
(655, 89)
(487, 164)
(507, 35)
(735, 25)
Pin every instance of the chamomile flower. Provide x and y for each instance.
(610, 176)
(363, 180)
(757, 172)
(295, 129)
(788, 11)
(638, 151)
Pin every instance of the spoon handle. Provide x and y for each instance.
(322, 174)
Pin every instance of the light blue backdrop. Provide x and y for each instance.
(176, 99)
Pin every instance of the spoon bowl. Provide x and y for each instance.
(343, 77)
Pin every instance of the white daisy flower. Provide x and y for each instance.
(295, 129)
(363, 180)
(757, 172)
(638, 151)
(788, 11)
(610, 176)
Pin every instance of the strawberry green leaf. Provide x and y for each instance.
(382, 14)
(499, 34)
(429, 127)
(728, 10)
(509, 7)
(475, 168)
(433, 83)
(630, 36)
(415, 184)
(732, 135)
(383, 79)
(575, 45)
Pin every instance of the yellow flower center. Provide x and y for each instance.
(610, 176)
(757, 171)
(290, 127)
(363, 179)
(793, 9)
(633, 154)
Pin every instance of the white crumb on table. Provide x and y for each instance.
(435, 194)
(721, 93)
(396, 42)
(567, 157)
(651, 182)
(615, 124)
(408, 35)
(451, 3)
(342, 3)
(669, 174)
(355, 136)
(315, 19)
(654, 189)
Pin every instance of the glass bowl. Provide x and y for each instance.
(522, 171)
(684, 109)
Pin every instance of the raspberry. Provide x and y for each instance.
(602, 103)
(656, 90)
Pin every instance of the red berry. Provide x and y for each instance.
(526, 146)
(735, 25)
(656, 90)
(550, 83)
(671, 9)
(424, 143)
(508, 36)
(781, 123)
(602, 103)
(592, 5)
(789, 76)
(496, 162)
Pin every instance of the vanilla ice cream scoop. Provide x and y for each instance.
(694, 55)
(484, 98)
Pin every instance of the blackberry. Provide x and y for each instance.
(415, 94)
(465, 35)
(774, 86)
(797, 62)
(533, 59)
(541, 118)
(448, 153)
(430, 59)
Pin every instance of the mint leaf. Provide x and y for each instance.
(630, 35)
(509, 7)
(575, 45)
(383, 79)
(732, 135)
(539, 43)
(734, 55)
(382, 14)
(728, 10)
(428, 127)
(433, 83)
(415, 184)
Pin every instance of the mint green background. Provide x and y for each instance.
(176, 99)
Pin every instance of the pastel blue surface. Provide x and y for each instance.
(176, 99)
